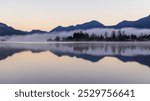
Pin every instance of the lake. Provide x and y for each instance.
(75, 63)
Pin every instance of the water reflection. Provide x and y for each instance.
(68, 63)
(45, 67)
(138, 52)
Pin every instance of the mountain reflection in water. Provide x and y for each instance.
(138, 52)
(79, 63)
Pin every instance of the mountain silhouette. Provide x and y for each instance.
(141, 23)
(37, 31)
(84, 26)
(6, 30)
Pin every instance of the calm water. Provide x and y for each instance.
(79, 63)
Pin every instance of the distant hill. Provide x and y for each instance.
(37, 31)
(6, 30)
(141, 23)
(84, 26)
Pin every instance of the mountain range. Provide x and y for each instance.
(7, 30)
(84, 26)
(143, 23)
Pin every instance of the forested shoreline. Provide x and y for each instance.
(115, 36)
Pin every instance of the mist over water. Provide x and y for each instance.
(43, 37)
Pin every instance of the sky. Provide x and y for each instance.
(48, 14)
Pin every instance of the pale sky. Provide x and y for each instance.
(47, 14)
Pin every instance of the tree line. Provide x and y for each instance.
(115, 36)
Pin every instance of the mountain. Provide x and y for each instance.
(141, 23)
(84, 26)
(37, 31)
(6, 30)
(2, 25)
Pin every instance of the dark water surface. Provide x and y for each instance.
(75, 63)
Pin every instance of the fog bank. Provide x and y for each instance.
(43, 37)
